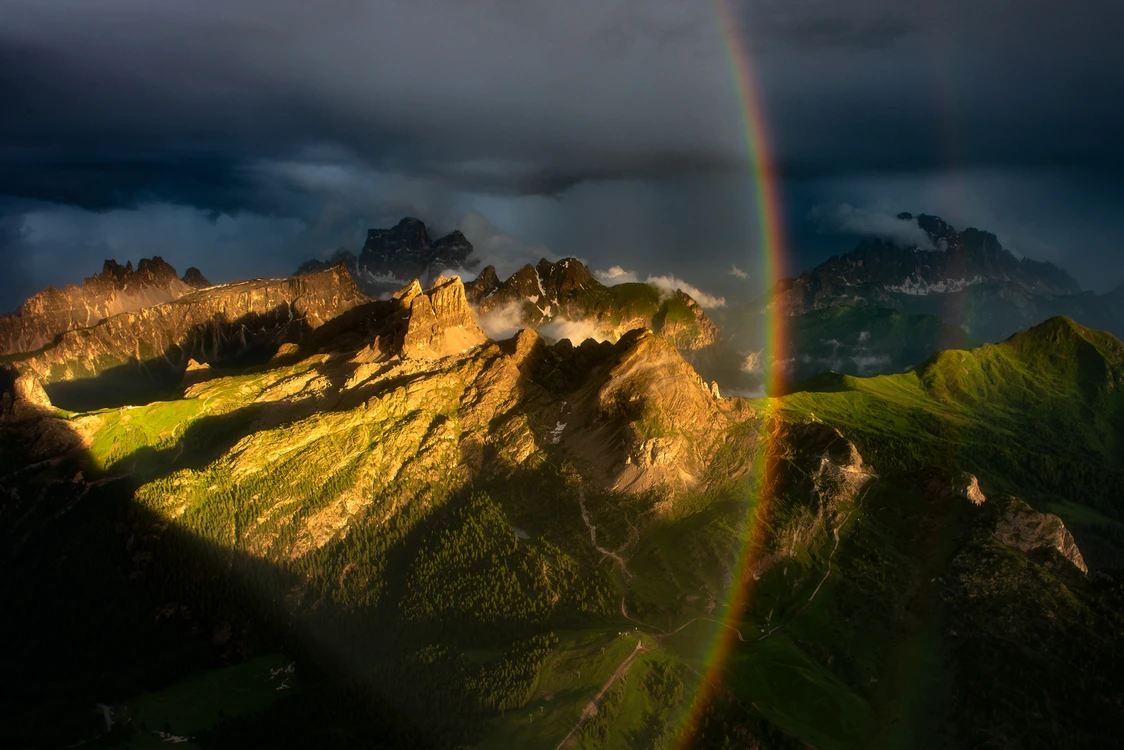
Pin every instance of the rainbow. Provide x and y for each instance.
(766, 183)
(772, 247)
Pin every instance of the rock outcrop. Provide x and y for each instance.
(117, 289)
(30, 430)
(813, 480)
(968, 487)
(1019, 526)
(22, 395)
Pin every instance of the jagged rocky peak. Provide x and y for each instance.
(934, 226)
(407, 235)
(650, 418)
(484, 285)
(194, 278)
(440, 321)
(891, 272)
(116, 289)
(404, 251)
(154, 271)
(566, 278)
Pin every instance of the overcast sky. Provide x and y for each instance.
(245, 136)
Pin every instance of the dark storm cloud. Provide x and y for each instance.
(841, 31)
(337, 114)
(441, 87)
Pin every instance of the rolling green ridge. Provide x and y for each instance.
(1040, 415)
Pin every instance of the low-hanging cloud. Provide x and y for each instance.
(503, 322)
(738, 273)
(867, 222)
(667, 285)
(576, 331)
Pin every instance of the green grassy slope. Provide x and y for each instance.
(1040, 415)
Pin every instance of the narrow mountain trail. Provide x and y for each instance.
(797, 610)
(615, 556)
(591, 708)
(593, 537)
(858, 506)
(693, 620)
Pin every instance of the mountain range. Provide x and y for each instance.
(529, 512)
(966, 278)
(117, 289)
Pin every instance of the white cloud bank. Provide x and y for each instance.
(505, 322)
(869, 222)
(576, 331)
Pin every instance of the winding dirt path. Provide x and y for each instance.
(591, 708)
(858, 505)
(726, 625)
(593, 538)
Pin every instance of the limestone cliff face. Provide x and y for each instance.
(28, 418)
(117, 289)
(413, 324)
(440, 322)
(209, 324)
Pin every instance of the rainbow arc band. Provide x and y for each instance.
(771, 238)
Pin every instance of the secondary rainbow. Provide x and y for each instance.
(771, 239)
